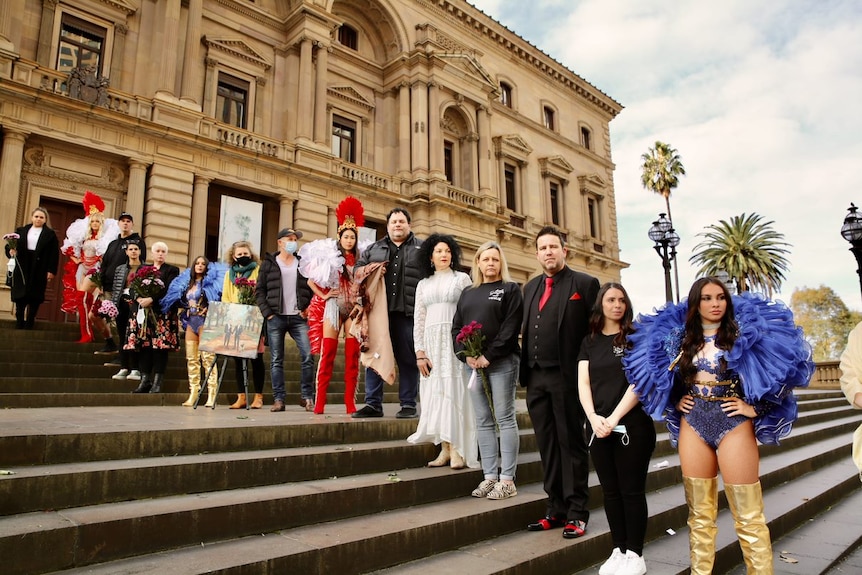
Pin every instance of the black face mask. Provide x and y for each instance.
(243, 261)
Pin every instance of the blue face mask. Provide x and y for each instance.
(290, 247)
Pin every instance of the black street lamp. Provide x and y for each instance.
(666, 240)
(852, 232)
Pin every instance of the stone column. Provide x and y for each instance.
(198, 231)
(169, 36)
(285, 213)
(11, 15)
(191, 65)
(320, 115)
(435, 132)
(136, 191)
(117, 56)
(261, 123)
(419, 119)
(484, 126)
(11, 160)
(305, 109)
(46, 31)
(404, 129)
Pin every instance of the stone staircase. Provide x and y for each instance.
(104, 481)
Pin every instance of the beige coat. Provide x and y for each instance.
(851, 372)
(372, 322)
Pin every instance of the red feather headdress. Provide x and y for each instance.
(92, 204)
(350, 214)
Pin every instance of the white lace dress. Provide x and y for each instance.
(447, 413)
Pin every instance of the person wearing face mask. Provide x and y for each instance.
(37, 256)
(283, 296)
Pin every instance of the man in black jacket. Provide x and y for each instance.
(283, 295)
(400, 248)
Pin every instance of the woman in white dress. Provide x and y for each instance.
(447, 412)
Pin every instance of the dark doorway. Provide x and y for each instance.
(60, 215)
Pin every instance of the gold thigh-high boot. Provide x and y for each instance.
(746, 504)
(193, 363)
(701, 495)
(209, 360)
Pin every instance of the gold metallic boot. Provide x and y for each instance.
(193, 363)
(701, 495)
(208, 358)
(746, 504)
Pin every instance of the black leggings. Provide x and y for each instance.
(257, 369)
(622, 471)
(153, 361)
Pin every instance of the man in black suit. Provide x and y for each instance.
(37, 256)
(557, 306)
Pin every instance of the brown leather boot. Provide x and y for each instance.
(258, 401)
(240, 402)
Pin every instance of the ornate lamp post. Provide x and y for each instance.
(666, 240)
(852, 232)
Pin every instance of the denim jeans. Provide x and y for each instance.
(502, 379)
(401, 333)
(297, 327)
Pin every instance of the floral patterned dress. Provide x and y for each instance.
(160, 329)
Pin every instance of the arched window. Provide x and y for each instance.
(506, 94)
(348, 37)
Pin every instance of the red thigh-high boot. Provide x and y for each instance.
(84, 317)
(328, 348)
(351, 372)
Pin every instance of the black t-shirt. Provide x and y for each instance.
(607, 379)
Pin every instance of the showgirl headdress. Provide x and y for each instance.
(350, 215)
(92, 204)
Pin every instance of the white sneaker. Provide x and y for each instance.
(633, 564)
(121, 375)
(135, 374)
(614, 562)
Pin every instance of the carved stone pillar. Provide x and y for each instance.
(170, 34)
(419, 120)
(261, 111)
(11, 14)
(189, 89)
(135, 193)
(11, 160)
(210, 82)
(46, 30)
(285, 213)
(320, 115)
(404, 128)
(116, 73)
(484, 150)
(198, 229)
(305, 110)
(435, 132)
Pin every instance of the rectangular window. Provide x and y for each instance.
(555, 203)
(549, 118)
(585, 138)
(593, 215)
(348, 37)
(232, 101)
(449, 161)
(506, 95)
(344, 139)
(509, 177)
(81, 45)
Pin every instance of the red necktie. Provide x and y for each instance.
(549, 287)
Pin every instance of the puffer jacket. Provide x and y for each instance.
(379, 252)
(268, 292)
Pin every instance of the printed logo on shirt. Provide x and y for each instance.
(619, 350)
(496, 295)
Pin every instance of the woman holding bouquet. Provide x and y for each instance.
(329, 268)
(153, 330)
(36, 252)
(191, 293)
(447, 412)
(492, 354)
(239, 283)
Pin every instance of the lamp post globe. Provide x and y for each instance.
(666, 239)
(852, 232)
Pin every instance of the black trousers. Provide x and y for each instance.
(257, 369)
(558, 422)
(622, 469)
(25, 312)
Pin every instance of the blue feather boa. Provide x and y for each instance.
(212, 285)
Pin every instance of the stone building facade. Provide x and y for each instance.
(167, 107)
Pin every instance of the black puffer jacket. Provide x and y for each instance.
(268, 291)
(379, 252)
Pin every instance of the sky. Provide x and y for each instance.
(762, 100)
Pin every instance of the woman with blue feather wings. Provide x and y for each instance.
(721, 371)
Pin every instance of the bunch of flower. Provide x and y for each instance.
(471, 337)
(12, 240)
(147, 282)
(108, 310)
(246, 288)
(95, 275)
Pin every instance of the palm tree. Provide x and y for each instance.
(660, 174)
(748, 249)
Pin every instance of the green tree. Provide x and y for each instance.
(825, 320)
(748, 249)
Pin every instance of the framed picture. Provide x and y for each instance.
(232, 329)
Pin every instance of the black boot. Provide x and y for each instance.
(145, 384)
(157, 383)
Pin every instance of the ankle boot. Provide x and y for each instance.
(240, 402)
(209, 366)
(258, 401)
(328, 348)
(701, 495)
(351, 373)
(157, 383)
(443, 457)
(144, 385)
(455, 459)
(746, 505)
(193, 364)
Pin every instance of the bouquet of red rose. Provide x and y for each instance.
(246, 288)
(95, 275)
(472, 338)
(146, 282)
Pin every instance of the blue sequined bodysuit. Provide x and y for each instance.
(710, 388)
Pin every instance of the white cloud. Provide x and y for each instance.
(760, 98)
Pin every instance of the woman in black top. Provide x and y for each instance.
(623, 434)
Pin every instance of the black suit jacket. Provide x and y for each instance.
(580, 290)
(31, 275)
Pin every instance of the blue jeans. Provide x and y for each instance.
(401, 334)
(297, 327)
(502, 379)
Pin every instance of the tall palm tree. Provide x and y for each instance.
(748, 249)
(660, 174)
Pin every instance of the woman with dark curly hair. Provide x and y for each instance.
(447, 412)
